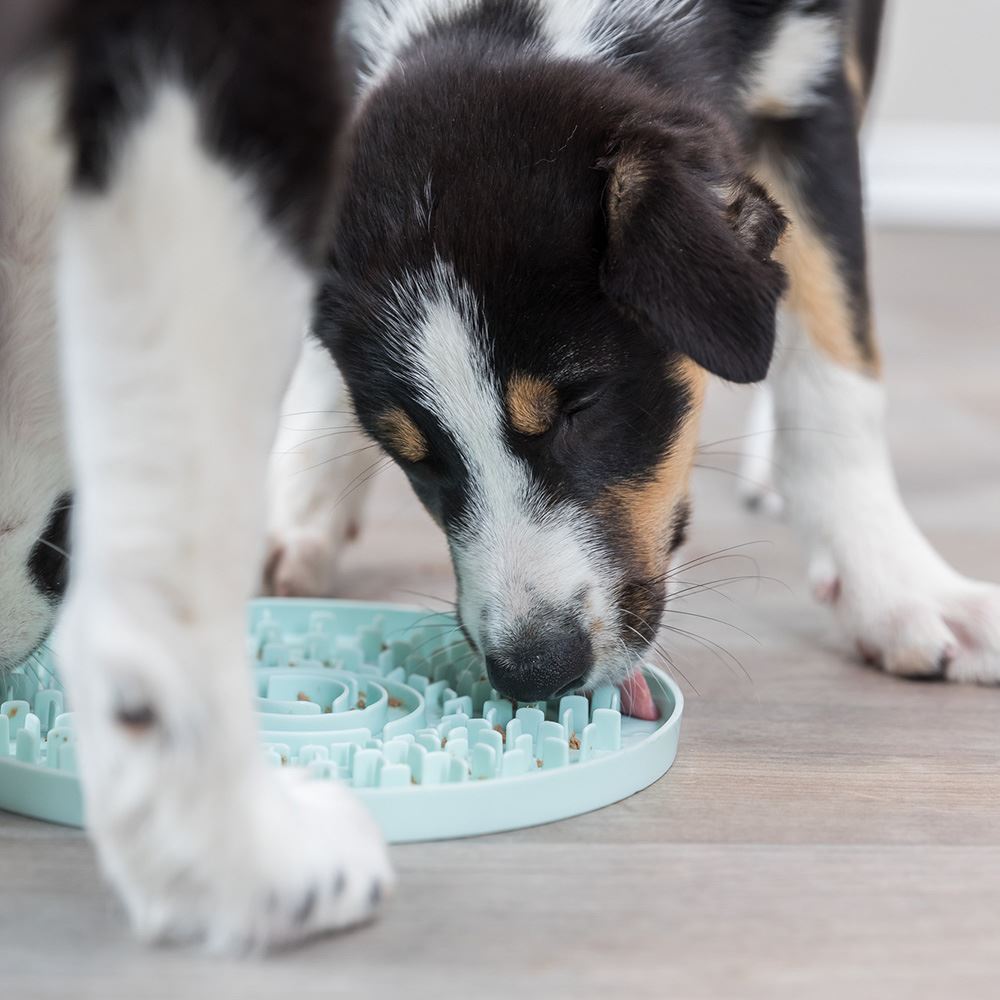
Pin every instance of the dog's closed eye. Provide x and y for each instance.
(536, 405)
(581, 396)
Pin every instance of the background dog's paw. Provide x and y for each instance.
(756, 487)
(949, 632)
(309, 860)
(759, 495)
(304, 563)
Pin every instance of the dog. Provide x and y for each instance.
(553, 221)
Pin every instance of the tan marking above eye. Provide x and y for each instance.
(532, 404)
(402, 435)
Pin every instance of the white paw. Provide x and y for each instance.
(759, 495)
(303, 563)
(309, 860)
(938, 626)
(317, 481)
(203, 841)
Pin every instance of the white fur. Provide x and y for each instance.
(572, 29)
(593, 29)
(181, 314)
(513, 553)
(756, 482)
(899, 601)
(788, 74)
(318, 481)
(384, 28)
(33, 470)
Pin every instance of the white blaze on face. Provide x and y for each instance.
(513, 552)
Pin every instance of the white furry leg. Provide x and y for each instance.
(904, 607)
(317, 480)
(756, 482)
(180, 311)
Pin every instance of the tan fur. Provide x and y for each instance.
(532, 404)
(855, 77)
(627, 180)
(403, 435)
(648, 507)
(817, 292)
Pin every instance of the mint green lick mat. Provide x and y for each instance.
(391, 701)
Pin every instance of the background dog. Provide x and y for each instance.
(554, 220)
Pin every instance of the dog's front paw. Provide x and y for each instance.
(935, 626)
(204, 842)
(307, 859)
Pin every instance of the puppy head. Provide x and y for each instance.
(531, 278)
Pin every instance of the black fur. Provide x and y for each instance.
(263, 76)
(525, 226)
(867, 17)
(48, 563)
(602, 215)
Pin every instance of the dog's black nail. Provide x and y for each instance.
(339, 883)
(306, 907)
(137, 717)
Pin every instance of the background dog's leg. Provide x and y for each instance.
(756, 482)
(901, 604)
(181, 310)
(318, 480)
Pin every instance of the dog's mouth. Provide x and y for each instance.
(636, 697)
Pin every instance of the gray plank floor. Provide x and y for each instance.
(826, 831)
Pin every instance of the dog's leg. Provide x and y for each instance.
(756, 483)
(181, 309)
(901, 604)
(318, 480)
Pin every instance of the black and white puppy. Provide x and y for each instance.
(550, 229)
(556, 219)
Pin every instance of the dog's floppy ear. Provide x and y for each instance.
(689, 243)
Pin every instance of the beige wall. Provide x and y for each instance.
(940, 62)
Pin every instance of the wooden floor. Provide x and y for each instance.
(825, 832)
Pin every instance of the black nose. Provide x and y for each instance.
(540, 661)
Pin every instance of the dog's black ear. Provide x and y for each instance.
(689, 244)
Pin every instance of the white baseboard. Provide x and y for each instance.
(933, 175)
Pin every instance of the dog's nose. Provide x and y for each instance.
(540, 661)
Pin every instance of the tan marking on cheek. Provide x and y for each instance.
(817, 292)
(648, 507)
(403, 435)
(532, 404)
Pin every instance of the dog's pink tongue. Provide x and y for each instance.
(637, 700)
